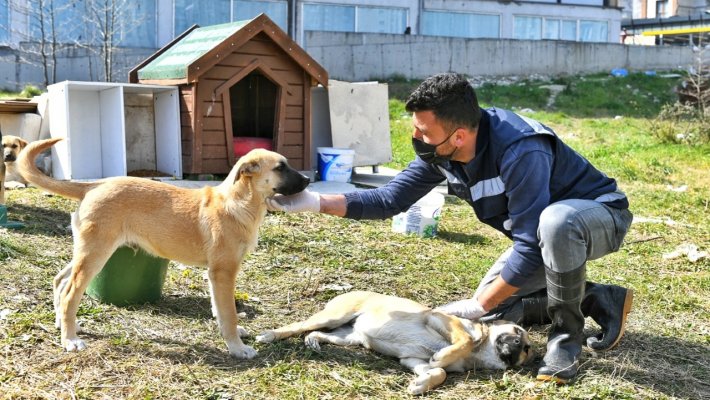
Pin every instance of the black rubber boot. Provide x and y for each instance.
(608, 305)
(526, 311)
(565, 291)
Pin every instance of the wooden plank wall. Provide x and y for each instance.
(211, 123)
(186, 128)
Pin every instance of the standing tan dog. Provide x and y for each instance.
(213, 226)
(426, 341)
(12, 146)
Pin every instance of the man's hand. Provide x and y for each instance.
(468, 308)
(299, 202)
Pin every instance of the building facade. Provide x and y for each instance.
(153, 23)
(45, 41)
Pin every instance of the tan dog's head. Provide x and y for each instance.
(269, 173)
(11, 147)
(512, 343)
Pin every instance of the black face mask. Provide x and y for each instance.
(427, 151)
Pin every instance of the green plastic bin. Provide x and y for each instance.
(130, 276)
(4, 222)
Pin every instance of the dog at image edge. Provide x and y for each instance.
(426, 341)
(12, 146)
(9, 176)
(212, 226)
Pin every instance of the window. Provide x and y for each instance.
(138, 24)
(4, 22)
(189, 12)
(326, 17)
(467, 25)
(73, 21)
(381, 20)
(569, 30)
(276, 10)
(529, 28)
(593, 31)
(66, 14)
(661, 7)
(330, 17)
(552, 29)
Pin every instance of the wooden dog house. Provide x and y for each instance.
(241, 85)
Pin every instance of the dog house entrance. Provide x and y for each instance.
(253, 102)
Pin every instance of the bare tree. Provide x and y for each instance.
(40, 34)
(695, 90)
(110, 21)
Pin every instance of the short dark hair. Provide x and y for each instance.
(450, 97)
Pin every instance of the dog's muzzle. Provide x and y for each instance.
(292, 183)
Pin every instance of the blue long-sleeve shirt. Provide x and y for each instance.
(520, 168)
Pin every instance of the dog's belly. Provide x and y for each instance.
(401, 338)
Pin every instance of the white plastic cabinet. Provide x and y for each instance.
(111, 129)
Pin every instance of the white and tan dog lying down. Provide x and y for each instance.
(426, 341)
(214, 227)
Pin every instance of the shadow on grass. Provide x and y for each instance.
(670, 365)
(39, 220)
(193, 307)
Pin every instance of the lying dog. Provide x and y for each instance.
(213, 226)
(426, 341)
(12, 146)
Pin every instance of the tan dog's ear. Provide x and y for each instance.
(248, 168)
(23, 143)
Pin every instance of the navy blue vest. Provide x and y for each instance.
(479, 183)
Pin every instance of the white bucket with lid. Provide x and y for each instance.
(335, 164)
(422, 218)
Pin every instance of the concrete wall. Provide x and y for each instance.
(361, 56)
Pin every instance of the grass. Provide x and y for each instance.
(173, 350)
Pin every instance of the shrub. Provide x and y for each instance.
(681, 123)
(30, 91)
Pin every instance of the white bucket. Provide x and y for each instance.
(422, 218)
(335, 164)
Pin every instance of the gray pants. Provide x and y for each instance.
(570, 233)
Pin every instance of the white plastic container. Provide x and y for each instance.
(335, 164)
(422, 218)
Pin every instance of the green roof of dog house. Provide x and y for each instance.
(180, 59)
(174, 62)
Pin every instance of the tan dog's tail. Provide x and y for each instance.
(29, 171)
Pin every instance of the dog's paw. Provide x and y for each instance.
(427, 381)
(12, 185)
(243, 352)
(440, 359)
(420, 385)
(72, 345)
(312, 342)
(243, 333)
(266, 337)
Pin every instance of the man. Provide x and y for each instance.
(521, 179)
